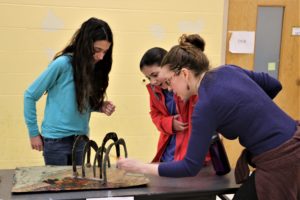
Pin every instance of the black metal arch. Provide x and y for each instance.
(109, 136)
(97, 157)
(106, 158)
(87, 150)
(78, 139)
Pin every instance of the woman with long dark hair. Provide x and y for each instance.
(75, 83)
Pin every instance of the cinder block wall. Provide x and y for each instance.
(32, 31)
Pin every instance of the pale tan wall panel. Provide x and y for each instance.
(32, 31)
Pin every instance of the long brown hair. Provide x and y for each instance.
(91, 80)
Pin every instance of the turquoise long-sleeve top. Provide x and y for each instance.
(61, 116)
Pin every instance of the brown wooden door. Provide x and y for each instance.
(242, 16)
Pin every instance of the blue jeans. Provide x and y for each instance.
(59, 151)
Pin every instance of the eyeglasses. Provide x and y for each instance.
(169, 80)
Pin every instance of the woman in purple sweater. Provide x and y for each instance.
(237, 103)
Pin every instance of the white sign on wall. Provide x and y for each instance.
(242, 42)
(296, 31)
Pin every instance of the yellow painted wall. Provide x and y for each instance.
(31, 31)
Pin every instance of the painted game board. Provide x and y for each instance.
(60, 178)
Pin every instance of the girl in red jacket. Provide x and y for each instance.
(169, 113)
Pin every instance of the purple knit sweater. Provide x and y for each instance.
(238, 104)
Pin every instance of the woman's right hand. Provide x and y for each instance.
(37, 143)
(135, 166)
(178, 125)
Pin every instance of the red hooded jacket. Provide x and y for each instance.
(163, 121)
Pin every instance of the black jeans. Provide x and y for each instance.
(247, 190)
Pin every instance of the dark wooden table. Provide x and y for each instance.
(206, 185)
